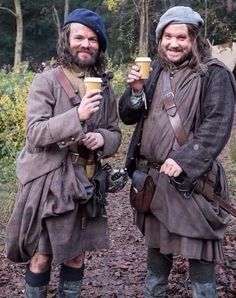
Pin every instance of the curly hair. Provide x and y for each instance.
(200, 49)
(66, 59)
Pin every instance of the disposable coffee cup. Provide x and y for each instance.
(144, 64)
(92, 83)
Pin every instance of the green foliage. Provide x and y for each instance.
(121, 18)
(112, 4)
(119, 79)
(7, 195)
(14, 88)
(233, 150)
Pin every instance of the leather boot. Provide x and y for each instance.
(156, 281)
(70, 282)
(203, 280)
(206, 290)
(35, 292)
(36, 283)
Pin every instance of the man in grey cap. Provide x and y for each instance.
(184, 115)
(60, 210)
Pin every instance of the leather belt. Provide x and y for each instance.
(144, 165)
(89, 165)
(77, 159)
(154, 165)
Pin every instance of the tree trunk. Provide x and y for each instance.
(19, 33)
(206, 18)
(56, 18)
(229, 6)
(66, 8)
(143, 28)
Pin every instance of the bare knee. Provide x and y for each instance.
(77, 262)
(39, 263)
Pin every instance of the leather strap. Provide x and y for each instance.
(66, 85)
(207, 190)
(171, 110)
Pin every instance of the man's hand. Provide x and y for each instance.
(89, 104)
(93, 140)
(171, 168)
(134, 79)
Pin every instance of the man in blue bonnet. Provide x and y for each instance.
(69, 130)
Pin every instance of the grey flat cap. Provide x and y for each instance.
(178, 15)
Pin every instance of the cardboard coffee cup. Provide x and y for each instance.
(144, 64)
(92, 83)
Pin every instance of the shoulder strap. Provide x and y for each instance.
(171, 110)
(66, 85)
(207, 190)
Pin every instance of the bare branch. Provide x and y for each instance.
(136, 7)
(56, 18)
(8, 10)
(19, 34)
(66, 9)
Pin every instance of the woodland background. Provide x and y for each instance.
(29, 31)
(130, 25)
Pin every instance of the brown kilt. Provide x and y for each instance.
(192, 228)
(47, 217)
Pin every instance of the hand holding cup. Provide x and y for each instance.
(91, 100)
(139, 73)
(144, 66)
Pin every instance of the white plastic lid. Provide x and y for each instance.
(143, 59)
(93, 79)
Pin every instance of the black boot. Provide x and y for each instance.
(36, 283)
(70, 282)
(206, 290)
(156, 281)
(203, 280)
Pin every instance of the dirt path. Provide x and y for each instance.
(120, 271)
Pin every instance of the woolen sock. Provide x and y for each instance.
(37, 279)
(201, 271)
(71, 274)
(159, 263)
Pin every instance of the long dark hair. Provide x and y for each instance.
(67, 60)
(200, 49)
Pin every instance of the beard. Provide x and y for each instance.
(84, 64)
(163, 57)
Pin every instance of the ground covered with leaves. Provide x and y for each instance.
(120, 270)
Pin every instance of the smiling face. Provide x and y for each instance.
(84, 46)
(176, 44)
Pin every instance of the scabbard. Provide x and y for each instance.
(207, 190)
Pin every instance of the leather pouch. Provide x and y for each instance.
(142, 191)
(96, 205)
